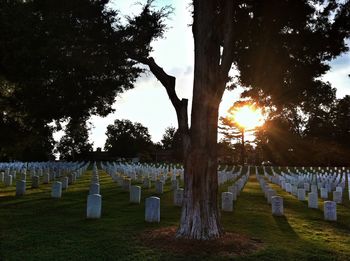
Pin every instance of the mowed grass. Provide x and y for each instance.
(37, 227)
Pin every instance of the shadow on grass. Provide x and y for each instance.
(284, 226)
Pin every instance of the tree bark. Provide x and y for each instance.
(243, 147)
(200, 217)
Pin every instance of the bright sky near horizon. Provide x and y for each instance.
(148, 102)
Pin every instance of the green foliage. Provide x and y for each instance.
(342, 121)
(171, 140)
(321, 138)
(75, 143)
(282, 47)
(68, 59)
(127, 139)
(62, 55)
(168, 137)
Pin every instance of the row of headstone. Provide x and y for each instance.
(329, 207)
(298, 186)
(54, 169)
(58, 186)
(149, 173)
(94, 199)
(322, 180)
(10, 174)
(228, 198)
(271, 196)
(146, 181)
(22, 183)
(140, 171)
(135, 191)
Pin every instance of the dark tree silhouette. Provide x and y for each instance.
(127, 139)
(75, 142)
(168, 138)
(67, 59)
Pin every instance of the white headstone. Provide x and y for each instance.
(324, 193)
(277, 206)
(35, 181)
(233, 190)
(152, 209)
(23, 176)
(46, 178)
(312, 200)
(8, 180)
(174, 184)
(94, 179)
(288, 187)
(159, 187)
(94, 189)
(56, 191)
(330, 210)
(337, 197)
(147, 183)
(270, 194)
(301, 194)
(227, 201)
(20, 187)
(135, 194)
(178, 197)
(70, 178)
(127, 184)
(295, 190)
(283, 185)
(65, 183)
(94, 206)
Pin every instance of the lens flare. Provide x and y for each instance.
(248, 117)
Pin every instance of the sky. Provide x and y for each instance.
(148, 102)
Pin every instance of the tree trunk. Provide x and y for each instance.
(200, 218)
(243, 147)
(213, 34)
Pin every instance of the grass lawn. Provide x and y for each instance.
(37, 227)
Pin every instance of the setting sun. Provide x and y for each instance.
(248, 117)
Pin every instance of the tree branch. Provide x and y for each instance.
(180, 106)
(167, 80)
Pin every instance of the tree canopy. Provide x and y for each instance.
(68, 59)
(127, 139)
(75, 142)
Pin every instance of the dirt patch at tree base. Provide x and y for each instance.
(229, 245)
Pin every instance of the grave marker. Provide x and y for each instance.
(277, 206)
(135, 194)
(152, 209)
(94, 206)
(330, 210)
(56, 191)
